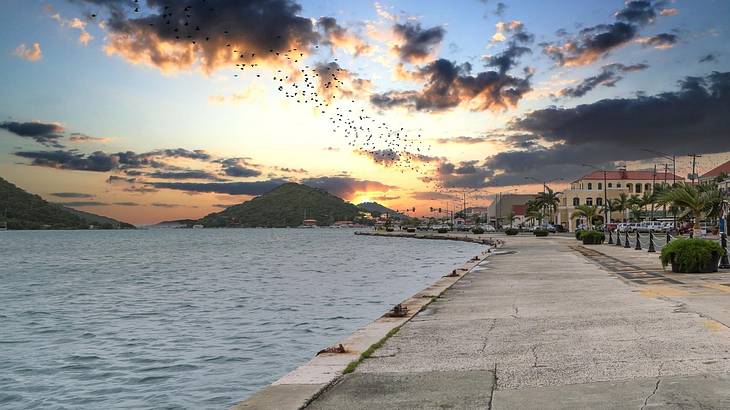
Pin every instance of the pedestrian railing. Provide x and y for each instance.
(655, 241)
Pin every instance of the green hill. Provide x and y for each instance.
(374, 207)
(22, 210)
(284, 206)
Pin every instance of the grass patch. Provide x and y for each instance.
(367, 353)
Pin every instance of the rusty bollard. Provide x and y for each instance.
(397, 311)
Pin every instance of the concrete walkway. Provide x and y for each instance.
(555, 325)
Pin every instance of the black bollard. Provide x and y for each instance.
(669, 237)
(692, 233)
(626, 240)
(724, 261)
(651, 242)
(638, 242)
(618, 238)
(610, 237)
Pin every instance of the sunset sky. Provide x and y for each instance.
(108, 109)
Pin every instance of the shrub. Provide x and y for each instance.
(691, 255)
(411, 230)
(477, 231)
(511, 231)
(443, 230)
(578, 235)
(389, 229)
(592, 237)
(541, 232)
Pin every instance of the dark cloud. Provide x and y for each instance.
(76, 195)
(608, 77)
(83, 203)
(708, 58)
(337, 36)
(80, 137)
(345, 187)
(188, 174)
(164, 205)
(592, 43)
(462, 140)
(465, 174)
(696, 118)
(47, 134)
(448, 85)
(72, 160)
(238, 167)
(230, 188)
(126, 203)
(162, 40)
(416, 43)
(662, 40)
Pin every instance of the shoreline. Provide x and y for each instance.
(302, 385)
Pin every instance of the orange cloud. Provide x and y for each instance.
(32, 53)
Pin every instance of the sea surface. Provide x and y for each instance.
(195, 319)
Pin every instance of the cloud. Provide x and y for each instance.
(81, 138)
(416, 44)
(661, 41)
(462, 140)
(187, 174)
(708, 58)
(165, 205)
(337, 36)
(595, 42)
(71, 160)
(32, 53)
(432, 196)
(345, 187)
(75, 195)
(669, 12)
(47, 134)
(465, 174)
(83, 203)
(238, 167)
(174, 36)
(75, 23)
(691, 119)
(230, 188)
(126, 203)
(608, 77)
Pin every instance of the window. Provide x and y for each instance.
(576, 201)
(647, 187)
(630, 187)
(599, 201)
(590, 186)
(618, 185)
(600, 186)
(610, 185)
(638, 188)
(589, 201)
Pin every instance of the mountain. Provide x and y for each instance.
(179, 223)
(380, 209)
(284, 206)
(22, 210)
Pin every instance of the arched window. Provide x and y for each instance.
(599, 201)
(618, 185)
(589, 201)
(600, 186)
(647, 187)
(630, 187)
(590, 186)
(610, 185)
(638, 188)
(576, 201)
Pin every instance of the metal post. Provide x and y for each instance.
(626, 240)
(652, 249)
(610, 237)
(638, 242)
(669, 237)
(724, 261)
(618, 238)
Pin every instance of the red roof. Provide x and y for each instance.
(519, 209)
(723, 168)
(636, 175)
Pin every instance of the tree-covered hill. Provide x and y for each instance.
(284, 206)
(22, 210)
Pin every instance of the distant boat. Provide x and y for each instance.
(309, 223)
(198, 226)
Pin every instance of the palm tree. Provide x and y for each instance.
(696, 201)
(621, 204)
(646, 200)
(635, 205)
(548, 200)
(512, 216)
(590, 212)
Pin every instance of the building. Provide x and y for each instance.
(590, 190)
(476, 211)
(720, 175)
(501, 208)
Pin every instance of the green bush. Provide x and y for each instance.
(541, 232)
(511, 231)
(443, 230)
(691, 255)
(477, 231)
(592, 237)
(578, 235)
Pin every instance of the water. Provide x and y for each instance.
(189, 318)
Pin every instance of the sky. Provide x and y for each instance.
(156, 110)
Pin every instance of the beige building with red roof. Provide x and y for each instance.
(592, 188)
(717, 174)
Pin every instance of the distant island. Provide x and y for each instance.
(22, 210)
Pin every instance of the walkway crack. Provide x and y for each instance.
(486, 336)
(494, 387)
(656, 386)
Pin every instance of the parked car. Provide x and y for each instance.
(611, 227)
(647, 226)
(622, 227)
(488, 228)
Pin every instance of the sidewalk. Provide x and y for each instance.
(551, 327)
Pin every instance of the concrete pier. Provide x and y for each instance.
(550, 323)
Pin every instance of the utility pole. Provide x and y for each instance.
(694, 166)
(653, 186)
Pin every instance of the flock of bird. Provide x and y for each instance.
(323, 87)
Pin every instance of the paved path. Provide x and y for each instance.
(556, 325)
